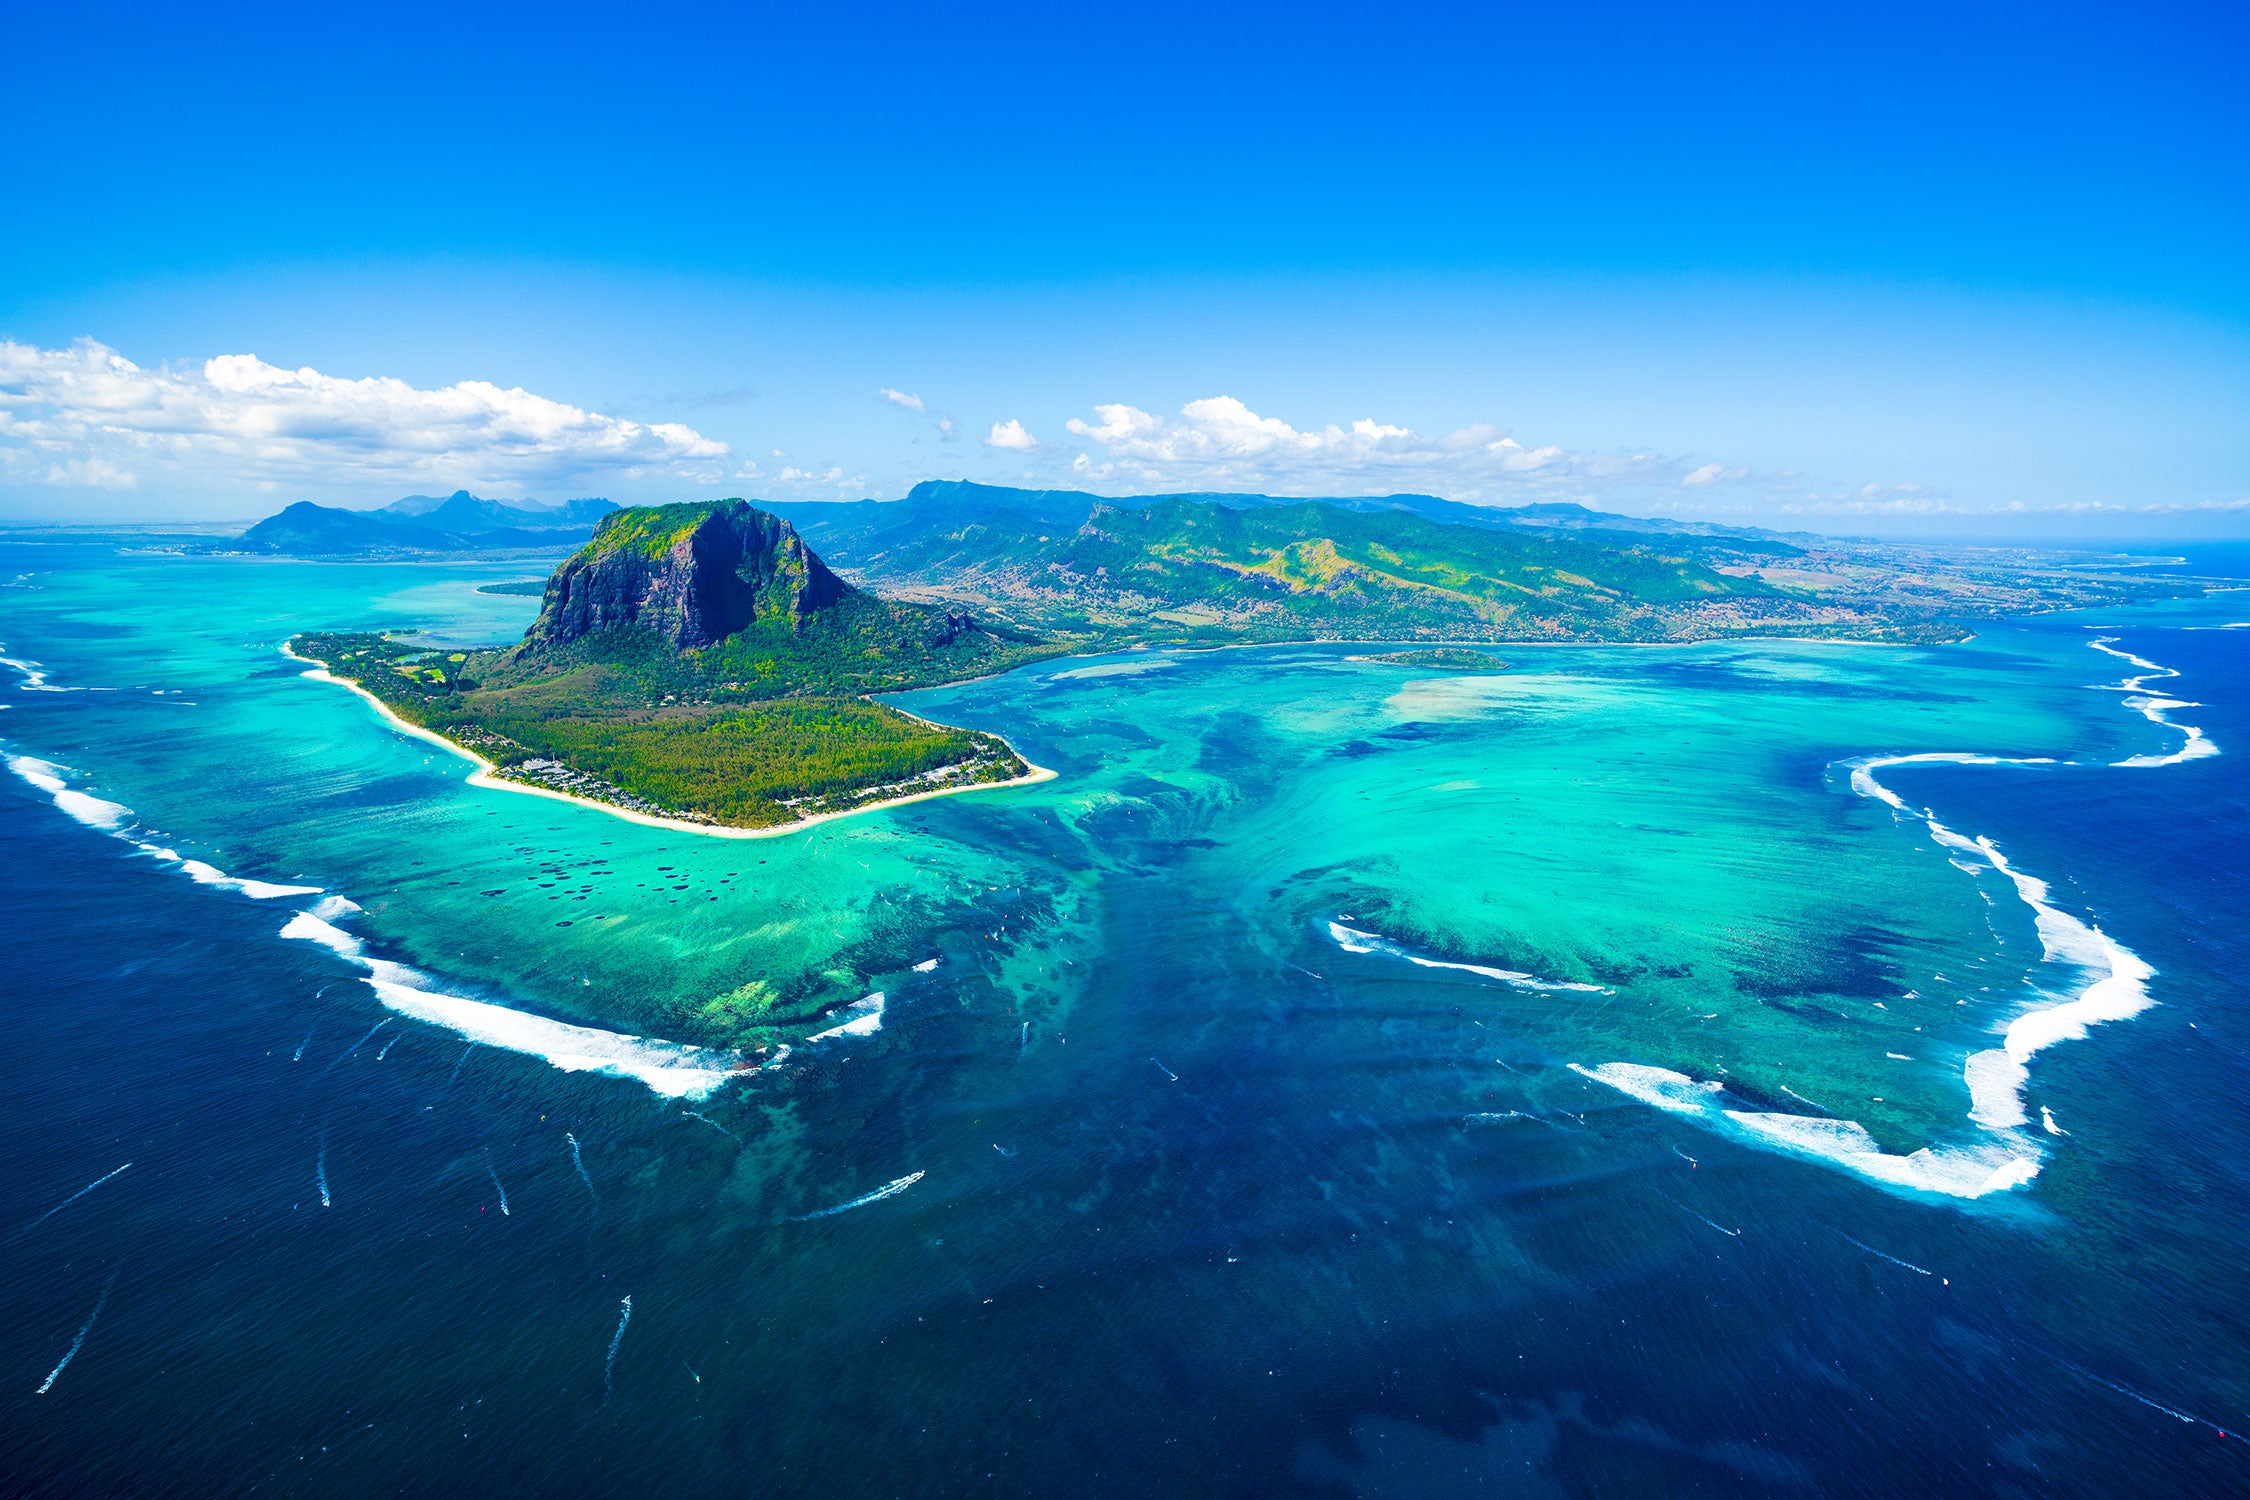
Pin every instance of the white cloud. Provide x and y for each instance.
(1010, 435)
(944, 421)
(1220, 443)
(1703, 476)
(88, 415)
(820, 483)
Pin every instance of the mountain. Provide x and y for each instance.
(720, 601)
(701, 662)
(1194, 568)
(693, 574)
(419, 524)
(465, 514)
(854, 531)
(306, 529)
(1211, 568)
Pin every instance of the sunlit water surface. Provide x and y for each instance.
(1339, 1079)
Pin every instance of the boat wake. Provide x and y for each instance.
(890, 1189)
(2108, 982)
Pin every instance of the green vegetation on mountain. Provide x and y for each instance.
(1192, 570)
(1212, 569)
(699, 662)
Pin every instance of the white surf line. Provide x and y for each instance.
(1354, 940)
(609, 1362)
(79, 1342)
(889, 1189)
(866, 1019)
(2154, 707)
(73, 1198)
(34, 677)
(493, 1172)
(2114, 987)
(674, 1070)
(115, 817)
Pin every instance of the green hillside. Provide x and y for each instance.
(700, 662)
(1292, 571)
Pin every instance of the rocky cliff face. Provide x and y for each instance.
(694, 574)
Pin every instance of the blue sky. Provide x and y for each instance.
(1905, 272)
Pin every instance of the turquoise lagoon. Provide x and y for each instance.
(1293, 950)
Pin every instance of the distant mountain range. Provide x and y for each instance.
(846, 531)
(1207, 568)
(420, 524)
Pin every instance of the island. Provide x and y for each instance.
(1439, 659)
(699, 665)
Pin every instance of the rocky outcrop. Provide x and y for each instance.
(694, 574)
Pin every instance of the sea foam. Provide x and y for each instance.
(866, 1019)
(1955, 1171)
(1354, 940)
(89, 810)
(675, 1070)
(2109, 983)
(113, 817)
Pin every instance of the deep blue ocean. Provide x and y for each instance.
(1212, 1249)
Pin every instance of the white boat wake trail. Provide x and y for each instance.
(2109, 982)
(887, 1190)
(79, 1342)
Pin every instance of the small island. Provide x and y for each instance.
(698, 665)
(1438, 658)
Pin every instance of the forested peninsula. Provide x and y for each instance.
(699, 663)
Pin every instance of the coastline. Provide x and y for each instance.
(486, 776)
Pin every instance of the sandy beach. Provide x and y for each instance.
(487, 775)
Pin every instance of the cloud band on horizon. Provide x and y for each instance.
(88, 416)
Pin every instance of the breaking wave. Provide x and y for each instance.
(675, 1070)
(2109, 983)
(866, 1019)
(1354, 940)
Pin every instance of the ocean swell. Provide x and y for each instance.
(675, 1070)
(1353, 940)
(672, 1069)
(2109, 982)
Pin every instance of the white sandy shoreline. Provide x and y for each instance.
(487, 775)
